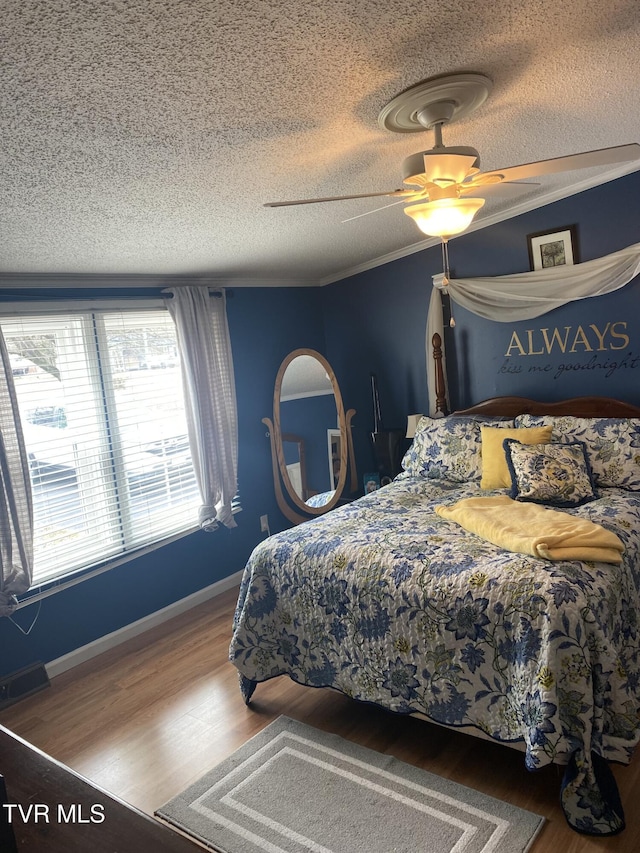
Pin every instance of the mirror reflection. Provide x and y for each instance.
(307, 412)
(310, 435)
(295, 460)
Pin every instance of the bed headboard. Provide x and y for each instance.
(581, 407)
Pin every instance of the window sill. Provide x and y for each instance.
(51, 587)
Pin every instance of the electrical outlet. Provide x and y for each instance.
(264, 523)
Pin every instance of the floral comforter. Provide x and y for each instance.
(389, 603)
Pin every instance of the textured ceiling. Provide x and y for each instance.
(144, 136)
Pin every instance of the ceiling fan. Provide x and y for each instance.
(444, 186)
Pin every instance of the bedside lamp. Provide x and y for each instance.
(412, 424)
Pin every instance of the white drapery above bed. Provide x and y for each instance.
(522, 296)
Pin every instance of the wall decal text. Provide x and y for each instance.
(567, 346)
(569, 340)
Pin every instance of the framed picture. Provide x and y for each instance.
(553, 248)
(371, 482)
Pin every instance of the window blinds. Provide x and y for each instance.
(101, 405)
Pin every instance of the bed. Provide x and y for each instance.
(389, 600)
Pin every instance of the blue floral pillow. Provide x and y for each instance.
(613, 445)
(557, 474)
(447, 448)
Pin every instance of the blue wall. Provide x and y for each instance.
(376, 324)
(373, 322)
(601, 335)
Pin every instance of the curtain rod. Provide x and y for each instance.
(22, 303)
(217, 292)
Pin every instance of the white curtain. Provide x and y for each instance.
(16, 505)
(210, 397)
(509, 298)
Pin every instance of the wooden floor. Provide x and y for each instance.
(146, 719)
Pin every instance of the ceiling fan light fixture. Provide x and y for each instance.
(444, 217)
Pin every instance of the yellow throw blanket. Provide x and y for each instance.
(529, 528)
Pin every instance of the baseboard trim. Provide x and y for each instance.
(110, 641)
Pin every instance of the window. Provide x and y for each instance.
(101, 404)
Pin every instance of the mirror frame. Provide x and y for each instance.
(277, 451)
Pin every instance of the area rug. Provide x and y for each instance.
(295, 789)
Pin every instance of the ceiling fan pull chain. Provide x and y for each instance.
(445, 279)
(445, 260)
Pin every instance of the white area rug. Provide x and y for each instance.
(295, 789)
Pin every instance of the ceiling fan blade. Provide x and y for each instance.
(599, 157)
(375, 210)
(505, 189)
(391, 193)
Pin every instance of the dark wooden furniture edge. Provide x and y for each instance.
(33, 777)
(581, 407)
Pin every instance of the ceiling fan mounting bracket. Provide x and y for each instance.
(440, 112)
(435, 102)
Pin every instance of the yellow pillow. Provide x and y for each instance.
(495, 473)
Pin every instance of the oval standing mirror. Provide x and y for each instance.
(310, 436)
